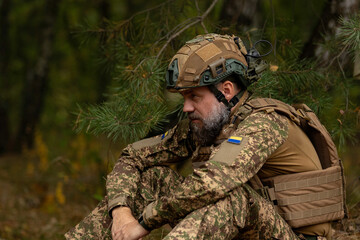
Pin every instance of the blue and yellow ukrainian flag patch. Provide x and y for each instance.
(235, 140)
(164, 135)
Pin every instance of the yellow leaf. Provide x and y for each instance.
(59, 193)
(129, 67)
(274, 68)
(41, 151)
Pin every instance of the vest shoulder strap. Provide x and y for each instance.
(307, 120)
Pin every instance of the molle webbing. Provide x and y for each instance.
(292, 216)
(305, 198)
(307, 182)
(310, 197)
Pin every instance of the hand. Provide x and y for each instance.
(131, 231)
(125, 226)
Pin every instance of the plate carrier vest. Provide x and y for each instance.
(305, 198)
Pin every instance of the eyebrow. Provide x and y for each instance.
(186, 92)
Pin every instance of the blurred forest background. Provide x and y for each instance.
(81, 79)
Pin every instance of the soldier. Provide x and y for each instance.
(227, 141)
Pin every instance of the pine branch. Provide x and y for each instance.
(349, 33)
(124, 121)
(120, 25)
(137, 50)
(197, 19)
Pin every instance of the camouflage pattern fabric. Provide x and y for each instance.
(97, 225)
(207, 186)
(263, 132)
(155, 182)
(241, 215)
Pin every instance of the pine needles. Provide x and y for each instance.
(349, 33)
(134, 107)
(136, 52)
(329, 90)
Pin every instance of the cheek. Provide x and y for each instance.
(207, 109)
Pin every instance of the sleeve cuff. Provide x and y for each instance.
(142, 223)
(151, 218)
(117, 202)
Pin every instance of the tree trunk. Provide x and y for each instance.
(103, 77)
(4, 76)
(36, 81)
(240, 13)
(356, 73)
(327, 27)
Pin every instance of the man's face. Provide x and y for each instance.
(206, 114)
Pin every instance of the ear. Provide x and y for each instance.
(229, 89)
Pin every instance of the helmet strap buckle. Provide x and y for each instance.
(221, 98)
(219, 95)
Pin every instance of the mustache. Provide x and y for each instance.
(194, 116)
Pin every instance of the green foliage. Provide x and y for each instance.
(349, 33)
(115, 52)
(134, 107)
(290, 22)
(325, 89)
(293, 82)
(138, 50)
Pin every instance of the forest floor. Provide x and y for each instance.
(43, 199)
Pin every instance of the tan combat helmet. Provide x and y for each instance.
(207, 60)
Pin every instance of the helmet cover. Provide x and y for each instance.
(206, 60)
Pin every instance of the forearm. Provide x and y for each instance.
(204, 187)
(122, 182)
(124, 214)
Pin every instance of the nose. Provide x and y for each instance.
(188, 106)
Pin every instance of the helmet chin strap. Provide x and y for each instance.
(221, 98)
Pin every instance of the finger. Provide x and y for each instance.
(117, 235)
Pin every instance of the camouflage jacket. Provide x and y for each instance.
(260, 135)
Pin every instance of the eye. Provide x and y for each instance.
(195, 96)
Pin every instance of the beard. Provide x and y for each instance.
(212, 125)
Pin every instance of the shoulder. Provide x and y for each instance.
(169, 138)
(267, 120)
(257, 136)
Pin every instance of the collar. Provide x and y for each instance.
(229, 128)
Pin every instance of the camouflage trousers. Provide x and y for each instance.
(242, 215)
